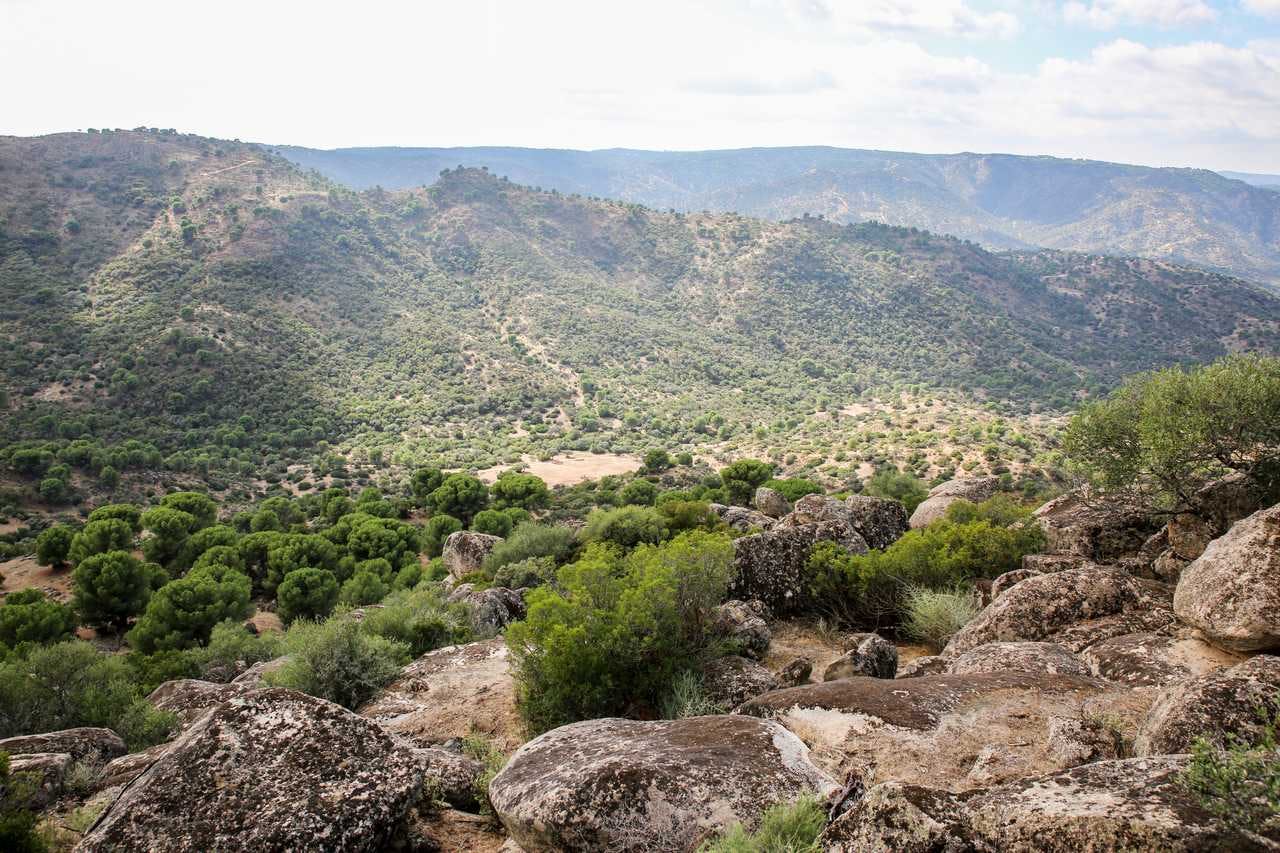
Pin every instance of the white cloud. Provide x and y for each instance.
(1107, 14)
(935, 17)
(1267, 8)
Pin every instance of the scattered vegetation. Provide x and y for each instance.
(1238, 779)
(784, 828)
(933, 616)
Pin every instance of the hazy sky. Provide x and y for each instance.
(1164, 82)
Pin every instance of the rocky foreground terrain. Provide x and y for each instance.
(1059, 719)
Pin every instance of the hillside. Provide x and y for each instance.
(1188, 216)
(246, 322)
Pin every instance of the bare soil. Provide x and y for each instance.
(25, 573)
(571, 468)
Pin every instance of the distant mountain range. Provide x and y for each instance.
(1227, 222)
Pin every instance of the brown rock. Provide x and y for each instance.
(732, 680)
(1151, 659)
(1099, 528)
(465, 550)
(869, 654)
(92, 744)
(46, 771)
(771, 503)
(972, 489)
(190, 697)
(1215, 705)
(742, 624)
(1023, 656)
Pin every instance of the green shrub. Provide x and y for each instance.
(459, 495)
(615, 631)
(143, 724)
(480, 748)
(784, 828)
(364, 587)
(688, 698)
(639, 492)
(183, 613)
(18, 821)
(128, 513)
(99, 537)
(895, 485)
(337, 661)
(532, 572)
(492, 521)
(532, 540)
(794, 488)
(307, 593)
(690, 515)
(932, 617)
(169, 528)
(626, 526)
(53, 546)
(109, 589)
(230, 644)
(26, 616)
(1238, 780)
(742, 478)
(438, 529)
(513, 489)
(63, 686)
(420, 619)
(200, 507)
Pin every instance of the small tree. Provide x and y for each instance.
(183, 613)
(492, 521)
(127, 513)
(309, 593)
(54, 545)
(438, 529)
(519, 490)
(169, 529)
(198, 506)
(742, 478)
(460, 495)
(1163, 435)
(656, 461)
(109, 589)
(98, 537)
(26, 616)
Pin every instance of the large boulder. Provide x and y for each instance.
(191, 697)
(450, 693)
(491, 609)
(1096, 527)
(742, 625)
(1215, 705)
(1018, 656)
(880, 521)
(1130, 804)
(1074, 608)
(869, 654)
(1231, 593)
(450, 777)
(934, 507)
(628, 786)
(82, 744)
(743, 519)
(771, 503)
(826, 520)
(770, 566)
(465, 550)
(270, 770)
(729, 681)
(126, 768)
(1149, 659)
(256, 675)
(45, 771)
(958, 731)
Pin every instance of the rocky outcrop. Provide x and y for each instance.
(1080, 740)
(826, 520)
(270, 770)
(1019, 656)
(452, 692)
(1149, 659)
(1231, 593)
(742, 519)
(958, 731)
(1008, 579)
(1222, 703)
(1132, 804)
(742, 625)
(45, 772)
(923, 665)
(934, 507)
(450, 777)
(126, 768)
(191, 697)
(880, 521)
(628, 786)
(869, 654)
(1098, 528)
(771, 503)
(255, 676)
(491, 610)
(82, 744)
(730, 681)
(1047, 564)
(465, 550)
(770, 566)
(1074, 608)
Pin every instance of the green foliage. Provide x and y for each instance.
(183, 613)
(1168, 432)
(688, 698)
(794, 488)
(54, 545)
(513, 489)
(26, 616)
(460, 495)
(337, 661)
(614, 631)
(784, 828)
(532, 540)
(109, 589)
(899, 486)
(437, 530)
(933, 616)
(200, 507)
(363, 587)
(626, 526)
(127, 513)
(420, 619)
(199, 543)
(492, 521)
(143, 724)
(1238, 780)
(639, 492)
(230, 644)
(690, 515)
(742, 478)
(423, 482)
(18, 833)
(307, 593)
(169, 529)
(658, 460)
(98, 537)
(480, 748)
(530, 572)
(290, 552)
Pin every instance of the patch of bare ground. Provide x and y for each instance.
(26, 573)
(569, 469)
(807, 638)
(266, 622)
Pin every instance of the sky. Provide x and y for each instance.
(1157, 82)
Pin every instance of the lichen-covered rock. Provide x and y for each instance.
(1074, 607)
(923, 665)
(869, 654)
(465, 550)
(46, 771)
(452, 692)
(742, 624)
(771, 503)
(795, 673)
(770, 566)
(270, 770)
(92, 744)
(1099, 528)
(1231, 593)
(1152, 659)
(255, 676)
(491, 609)
(881, 521)
(1001, 584)
(1079, 740)
(191, 697)
(126, 768)
(1047, 564)
(732, 680)
(628, 786)
(826, 520)
(942, 496)
(1017, 656)
(1215, 705)
(450, 777)
(1130, 804)
(453, 831)
(742, 519)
